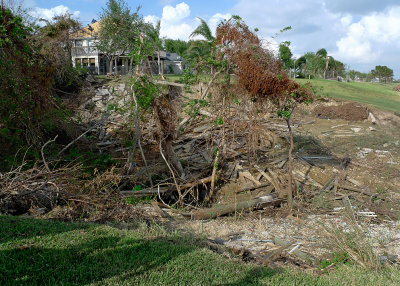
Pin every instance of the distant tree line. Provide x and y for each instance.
(322, 65)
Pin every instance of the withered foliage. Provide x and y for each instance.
(259, 72)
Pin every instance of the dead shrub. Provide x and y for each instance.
(396, 88)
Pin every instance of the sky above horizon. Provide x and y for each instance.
(359, 33)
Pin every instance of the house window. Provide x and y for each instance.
(78, 62)
(92, 62)
(85, 62)
(78, 43)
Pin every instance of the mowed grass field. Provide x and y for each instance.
(378, 95)
(43, 252)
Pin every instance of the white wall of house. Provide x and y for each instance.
(175, 67)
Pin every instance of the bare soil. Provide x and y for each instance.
(346, 111)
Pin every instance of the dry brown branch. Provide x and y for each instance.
(213, 176)
(173, 174)
(104, 119)
(44, 146)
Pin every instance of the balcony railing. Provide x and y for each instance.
(84, 51)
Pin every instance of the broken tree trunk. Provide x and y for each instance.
(220, 210)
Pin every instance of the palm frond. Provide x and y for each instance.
(203, 30)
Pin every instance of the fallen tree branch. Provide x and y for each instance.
(138, 135)
(83, 134)
(173, 175)
(220, 210)
(44, 160)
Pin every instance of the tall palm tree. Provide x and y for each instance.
(323, 54)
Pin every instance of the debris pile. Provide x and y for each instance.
(347, 111)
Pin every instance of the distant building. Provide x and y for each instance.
(171, 63)
(85, 54)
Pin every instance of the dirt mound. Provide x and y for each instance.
(349, 111)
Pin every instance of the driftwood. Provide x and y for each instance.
(221, 210)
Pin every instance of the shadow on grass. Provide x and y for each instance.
(55, 253)
(254, 277)
(19, 228)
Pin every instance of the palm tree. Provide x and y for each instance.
(201, 49)
(203, 30)
(323, 54)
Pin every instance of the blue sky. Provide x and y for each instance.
(90, 9)
(360, 33)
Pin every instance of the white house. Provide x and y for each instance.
(85, 54)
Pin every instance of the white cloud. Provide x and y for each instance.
(372, 37)
(313, 26)
(360, 34)
(151, 19)
(176, 14)
(346, 20)
(177, 23)
(216, 19)
(49, 14)
(359, 7)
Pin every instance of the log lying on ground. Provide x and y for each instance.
(154, 191)
(220, 210)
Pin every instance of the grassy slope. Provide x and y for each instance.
(379, 95)
(375, 94)
(44, 252)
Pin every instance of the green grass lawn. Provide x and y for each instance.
(376, 94)
(42, 252)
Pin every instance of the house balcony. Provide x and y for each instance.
(84, 51)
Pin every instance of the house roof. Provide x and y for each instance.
(88, 32)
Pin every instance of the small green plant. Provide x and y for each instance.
(188, 79)
(134, 201)
(192, 107)
(137, 188)
(146, 91)
(219, 121)
(337, 259)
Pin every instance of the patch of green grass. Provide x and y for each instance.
(35, 251)
(376, 94)
(337, 258)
